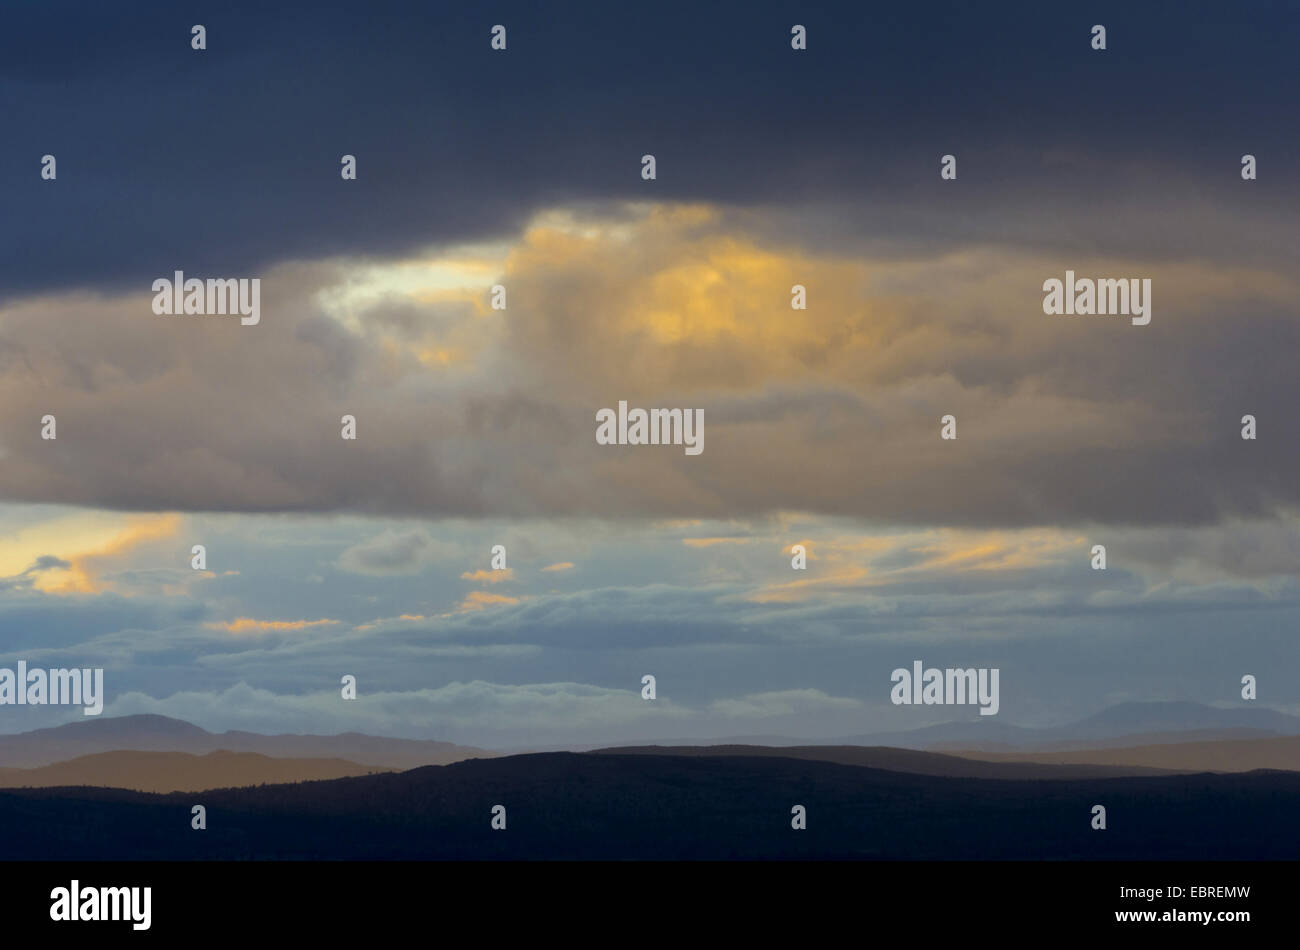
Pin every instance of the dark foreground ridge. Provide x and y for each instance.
(902, 760)
(607, 806)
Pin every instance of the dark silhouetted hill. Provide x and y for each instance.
(605, 806)
(904, 760)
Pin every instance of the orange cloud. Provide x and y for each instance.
(848, 563)
(479, 599)
(994, 551)
(84, 575)
(249, 625)
(807, 546)
(489, 577)
(805, 587)
(561, 566)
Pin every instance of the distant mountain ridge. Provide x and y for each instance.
(164, 772)
(1233, 755)
(1126, 724)
(1122, 726)
(153, 733)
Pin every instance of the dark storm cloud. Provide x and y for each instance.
(817, 167)
(226, 160)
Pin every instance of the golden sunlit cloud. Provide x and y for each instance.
(807, 548)
(561, 566)
(479, 599)
(996, 551)
(791, 591)
(249, 625)
(850, 563)
(91, 543)
(489, 577)
(455, 273)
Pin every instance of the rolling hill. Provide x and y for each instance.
(650, 807)
(904, 760)
(179, 771)
(149, 733)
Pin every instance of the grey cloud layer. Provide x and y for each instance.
(833, 410)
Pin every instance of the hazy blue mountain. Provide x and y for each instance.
(149, 733)
(1127, 724)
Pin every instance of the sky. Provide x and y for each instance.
(475, 426)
